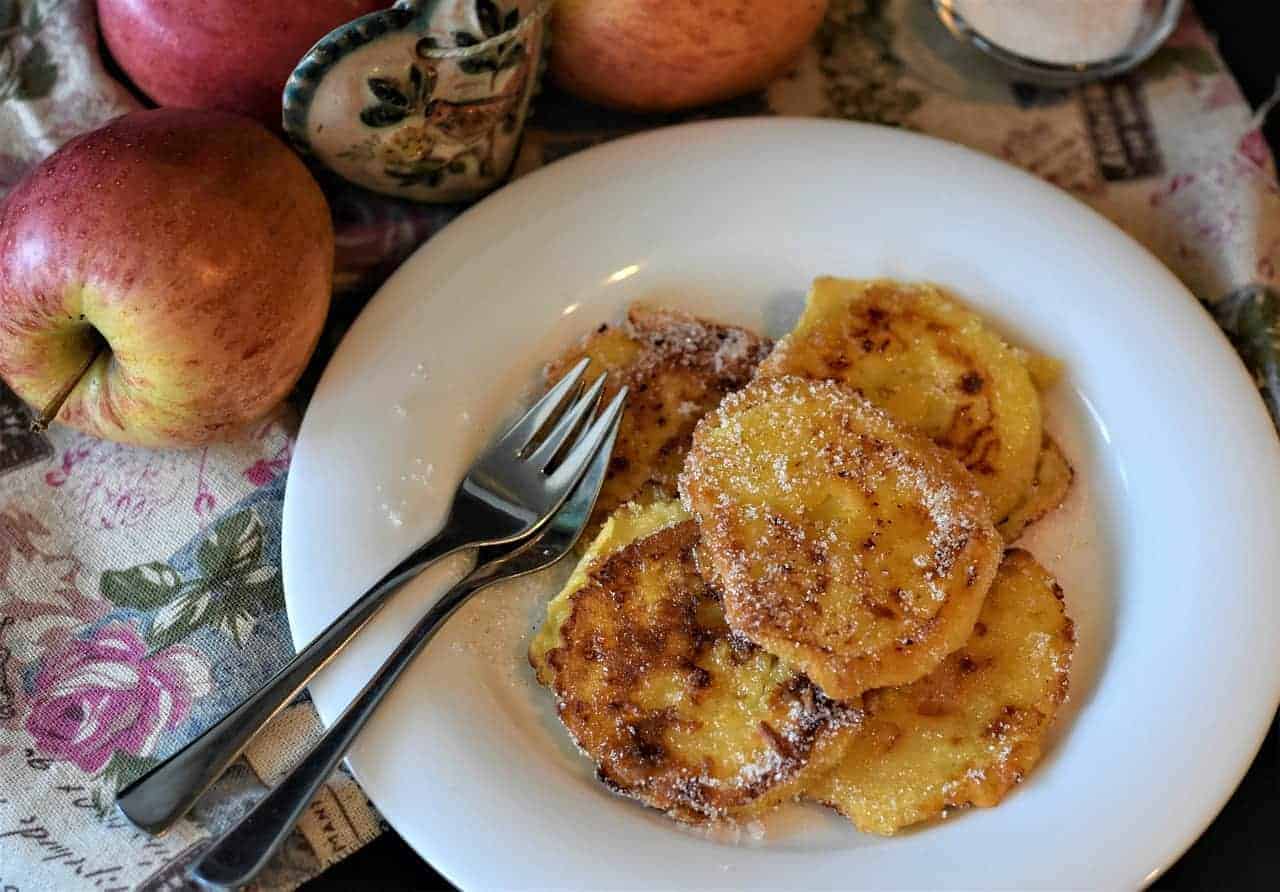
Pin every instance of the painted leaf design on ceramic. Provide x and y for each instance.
(489, 18)
(431, 137)
(387, 91)
(396, 100)
(381, 116)
(502, 57)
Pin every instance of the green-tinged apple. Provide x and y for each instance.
(163, 279)
(663, 55)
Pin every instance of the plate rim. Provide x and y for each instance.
(454, 868)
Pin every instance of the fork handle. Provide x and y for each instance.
(155, 801)
(236, 857)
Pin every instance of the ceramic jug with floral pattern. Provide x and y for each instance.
(425, 100)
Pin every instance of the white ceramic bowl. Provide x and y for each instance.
(1166, 548)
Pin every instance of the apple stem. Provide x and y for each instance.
(51, 409)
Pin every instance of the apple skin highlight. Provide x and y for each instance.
(221, 54)
(664, 55)
(192, 248)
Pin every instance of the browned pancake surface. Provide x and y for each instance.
(851, 547)
(973, 728)
(933, 365)
(675, 709)
(678, 367)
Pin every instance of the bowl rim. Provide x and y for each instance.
(1062, 73)
(576, 192)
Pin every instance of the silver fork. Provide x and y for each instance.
(236, 857)
(507, 495)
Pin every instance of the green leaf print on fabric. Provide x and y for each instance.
(36, 74)
(862, 74)
(234, 545)
(1169, 59)
(35, 15)
(26, 69)
(144, 587)
(232, 589)
(9, 15)
(189, 611)
(123, 769)
(1251, 319)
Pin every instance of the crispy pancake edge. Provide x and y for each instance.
(985, 785)
(1055, 476)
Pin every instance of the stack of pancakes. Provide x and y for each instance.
(798, 583)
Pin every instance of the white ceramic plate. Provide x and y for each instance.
(1167, 548)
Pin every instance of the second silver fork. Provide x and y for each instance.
(242, 851)
(506, 497)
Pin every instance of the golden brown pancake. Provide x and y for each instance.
(674, 709)
(851, 547)
(678, 368)
(933, 365)
(620, 529)
(970, 730)
(1054, 476)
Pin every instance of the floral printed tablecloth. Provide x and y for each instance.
(140, 593)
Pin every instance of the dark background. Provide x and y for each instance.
(1240, 850)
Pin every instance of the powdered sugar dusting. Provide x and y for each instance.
(837, 537)
(677, 367)
(726, 352)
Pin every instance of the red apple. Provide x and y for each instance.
(171, 270)
(662, 55)
(224, 54)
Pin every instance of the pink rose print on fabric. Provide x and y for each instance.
(1253, 149)
(1201, 206)
(265, 470)
(40, 590)
(104, 694)
(41, 607)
